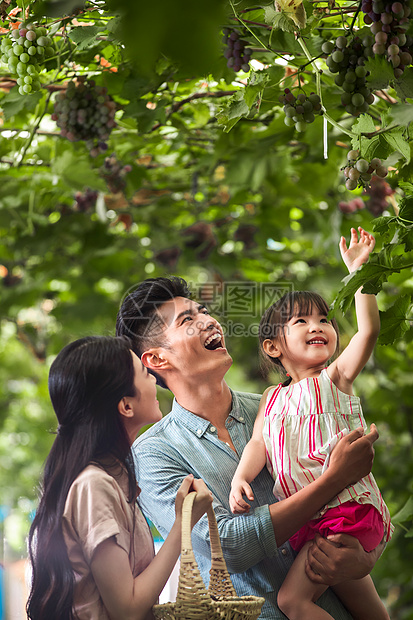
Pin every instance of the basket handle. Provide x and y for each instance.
(191, 591)
(220, 584)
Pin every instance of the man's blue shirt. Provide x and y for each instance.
(182, 443)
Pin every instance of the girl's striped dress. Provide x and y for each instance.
(302, 424)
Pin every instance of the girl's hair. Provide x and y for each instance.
(86, 382)
(274, 319)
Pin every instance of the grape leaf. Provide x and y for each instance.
(406, 187)
(14, 103)
(144, 116)
(402, 113)
(405, 513)
(367, 146)
(381, 72)
(278, 19)
(240, 104)
(404, 86)
(77, 172)
(84, 36)
(382, 225)
(396, 140)
(393, 322)
(406, 209)
(371, 273)
(256, 84)
(234, 109)
(405, 235)
(364, 124)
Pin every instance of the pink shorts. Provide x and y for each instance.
(360, 520)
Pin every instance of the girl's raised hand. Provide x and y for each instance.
(358, 251)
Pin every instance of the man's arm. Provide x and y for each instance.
(245, 540)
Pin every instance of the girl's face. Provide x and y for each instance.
(309, 341)
(145, 405)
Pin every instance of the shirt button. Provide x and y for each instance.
(241, 419)
(212, 429)
(284, 551)
(199, 432)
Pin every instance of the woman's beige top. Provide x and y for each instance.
(97, 509)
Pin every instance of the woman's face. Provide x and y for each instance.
(145, 405)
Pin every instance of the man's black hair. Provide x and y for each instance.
(138, 318)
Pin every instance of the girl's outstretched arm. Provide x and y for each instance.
(252, 461)
(352, 360)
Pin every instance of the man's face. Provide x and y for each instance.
(194, 341)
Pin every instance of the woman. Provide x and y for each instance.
(90, 547)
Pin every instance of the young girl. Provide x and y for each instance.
(91, 549)
(299, 423)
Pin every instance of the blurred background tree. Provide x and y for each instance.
(201, 174)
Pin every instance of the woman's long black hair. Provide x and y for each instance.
(86, 382)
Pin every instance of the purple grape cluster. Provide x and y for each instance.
(238, 57)
(114, 173)
(300, 110)
(351, 206)
(346, 57)
(85, 112)
(389, 21)
(378, 191)
(85, 201)
(359, 171)
(22, 50)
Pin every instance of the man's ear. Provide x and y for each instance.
(271, 348)
(125, 407)
(155, 359)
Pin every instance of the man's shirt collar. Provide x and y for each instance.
(199, 425)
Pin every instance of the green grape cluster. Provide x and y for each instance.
(23, 50)
(359, 171)
(300, 110)
(85, 112)
(346, 57)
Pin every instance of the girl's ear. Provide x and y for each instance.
(271, 348)
(125, 407)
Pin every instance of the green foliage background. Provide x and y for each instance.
(220, 191)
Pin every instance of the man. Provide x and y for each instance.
(205, 433)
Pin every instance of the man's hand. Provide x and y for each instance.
(339, 558)
(353, 456)
(239, 488)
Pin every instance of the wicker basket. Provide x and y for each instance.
(193, 601)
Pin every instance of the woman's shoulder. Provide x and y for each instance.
(94, 480)
(94, 472)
